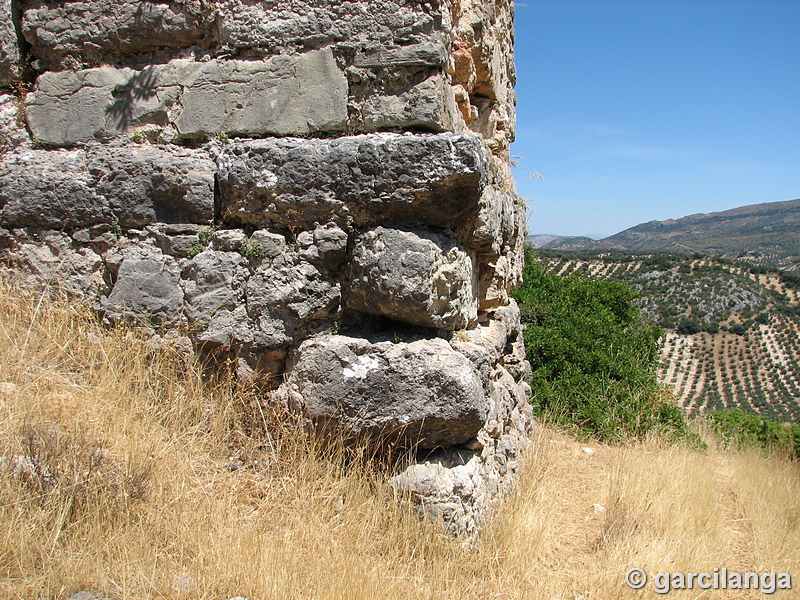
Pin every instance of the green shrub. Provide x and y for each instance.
(746, 429)
(593, 355)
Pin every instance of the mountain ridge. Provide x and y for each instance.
(766, 234)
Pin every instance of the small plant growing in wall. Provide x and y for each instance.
(203, 239)
(251, 250)
(138, 136)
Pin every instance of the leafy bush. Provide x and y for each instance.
(747, 429)
(593, 356)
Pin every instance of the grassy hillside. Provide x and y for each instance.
(125, 474)
(762, 234)
(734, 330)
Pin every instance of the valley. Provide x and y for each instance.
(732, 328)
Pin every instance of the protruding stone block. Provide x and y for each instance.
(423, 393)
(364, 180)
(420, 278)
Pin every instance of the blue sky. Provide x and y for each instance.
(636, 110)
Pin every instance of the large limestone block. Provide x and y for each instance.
(130, 184)
(102, 27)
(147, 288)
(50, 189)
(70, 107)
(283, 27)
(420, 278)
(144, 184)
(364, 180)
(428, 105)
(9, 48)
(282, 95)
(422, 393)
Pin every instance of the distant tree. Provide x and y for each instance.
(688, 327)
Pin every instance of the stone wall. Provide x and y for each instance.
(317, 189)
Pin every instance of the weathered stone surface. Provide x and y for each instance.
(446, 492)
(326, 246)
(9, 48)
(147, 288)
(132, 185)
(96, 29)
(428, 105)
(420, 278)
(420, 228)
(228, 240)
(496, 224)
(432, 180)
(78, 106)
(49, 190)
(50, 261)
(285, 27)
(145, 184)
(418, 55)
(423, 393)
(213, 282)
(281, 95)
(179, 245)
(287, 296)
(483, 66)
(271, 244)
(11, 134)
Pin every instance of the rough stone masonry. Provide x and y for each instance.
(317, 189)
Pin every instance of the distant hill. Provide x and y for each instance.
(763, 234)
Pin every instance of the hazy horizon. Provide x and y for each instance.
(599, 236)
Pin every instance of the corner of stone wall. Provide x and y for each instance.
(322, 194)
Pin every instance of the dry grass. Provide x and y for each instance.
(127, 475)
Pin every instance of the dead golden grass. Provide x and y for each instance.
(123, 473)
